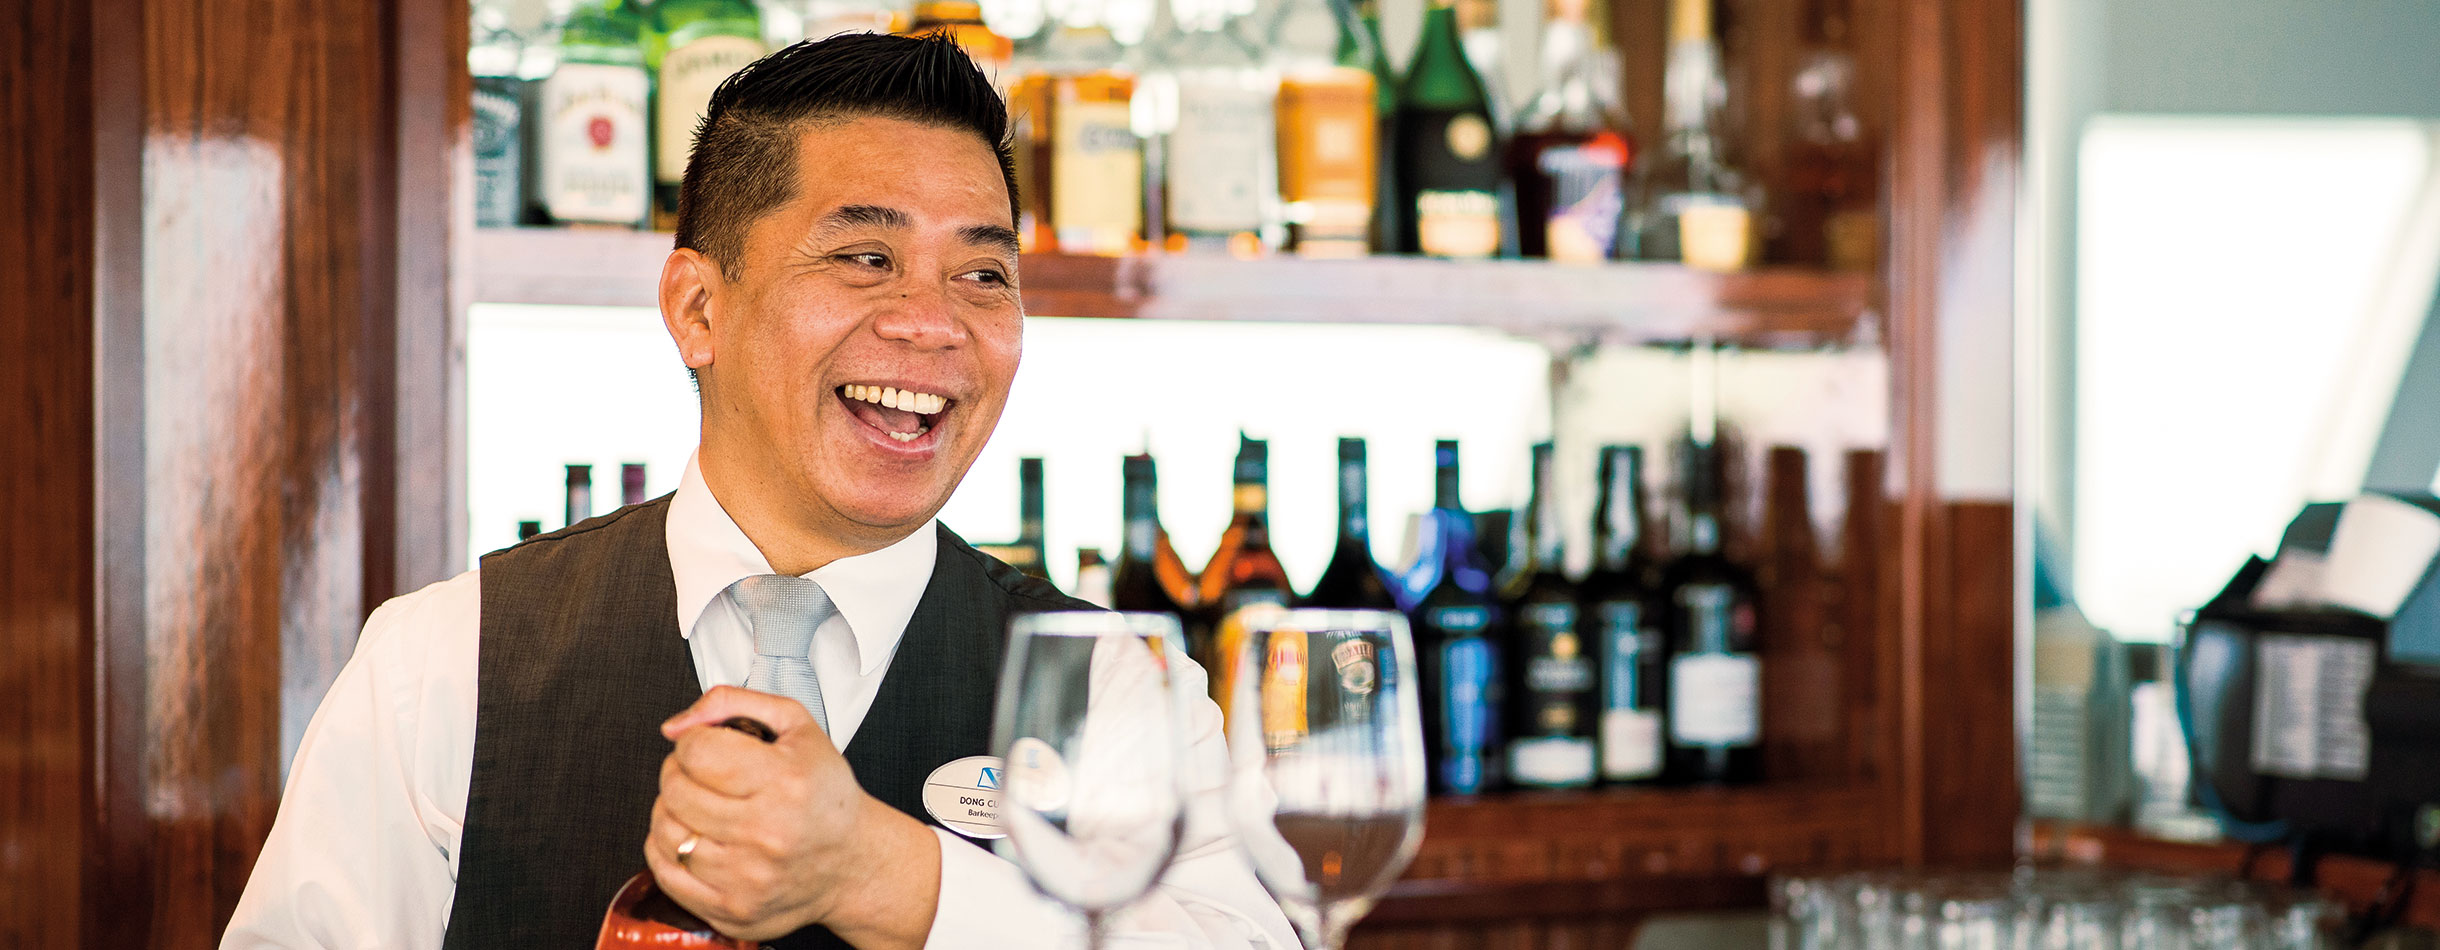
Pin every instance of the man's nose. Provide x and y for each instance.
(924, 316)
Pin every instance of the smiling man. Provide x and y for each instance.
(507, 746)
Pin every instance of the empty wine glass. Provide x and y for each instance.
(1325, 735)
(1091, 730)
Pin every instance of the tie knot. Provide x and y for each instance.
(784, 611)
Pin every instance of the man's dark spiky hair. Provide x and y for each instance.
(745, 159)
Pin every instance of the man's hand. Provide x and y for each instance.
(784, 835)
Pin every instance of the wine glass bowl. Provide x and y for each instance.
(1328, 780)
(1091, 730)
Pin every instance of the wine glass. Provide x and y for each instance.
(1091, 729)
(1325, 734)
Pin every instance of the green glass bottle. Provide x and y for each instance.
(1448, 167)
(591, 126)
(694, 45)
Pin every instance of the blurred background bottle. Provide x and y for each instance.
(1456, 621)
(693, 46)
(1447, 158)
(1695, 206)
(1621, 618)
(1328, 153)
(1352, 579)
(1831, 199)
(1553, 703)
(494, 58)
(1572, 149)
(590, 128)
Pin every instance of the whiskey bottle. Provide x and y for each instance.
(695, 45)
(1080, 167)
(1328, 155)
(590, 124)
(1243, 573)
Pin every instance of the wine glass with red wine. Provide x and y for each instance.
(1325, 734)
(1091, 729)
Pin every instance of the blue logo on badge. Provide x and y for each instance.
(990, 779)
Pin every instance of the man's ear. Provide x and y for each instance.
(690, 285)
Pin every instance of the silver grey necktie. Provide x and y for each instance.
(784, 611)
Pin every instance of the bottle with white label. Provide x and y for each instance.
(1219, 150)
(1456, 620)
(1696, 206)
(1080, 165)
(499, 116)
(695, 45)
(1552, 678)
(589, 126)
(1715, 664)
(1624, 624)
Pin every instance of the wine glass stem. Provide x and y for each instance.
(1333, 929)
(1095, 929)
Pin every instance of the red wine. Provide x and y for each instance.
(1348, 858)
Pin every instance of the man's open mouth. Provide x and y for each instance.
(903, 413)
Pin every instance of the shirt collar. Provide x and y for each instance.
(876, 593)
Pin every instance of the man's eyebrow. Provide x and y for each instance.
(876, 216)
(999, 237)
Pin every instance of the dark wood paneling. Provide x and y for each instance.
(47, 547)
(204, 231)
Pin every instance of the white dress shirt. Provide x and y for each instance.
(364, 852)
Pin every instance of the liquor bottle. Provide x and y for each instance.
(580, 493)
(1695, 205)
(1619, 615)
(1092, 577)
(1027, 553)
(1570, 156)
(1715, 665)
(499, 116)
(631, 483)
(1080, 168)
(1554, 704)
(527, 529)
(962, 21)
(1147, 576)
(590, 125)
(828, 18)
(1832, 204)
(1328, 155)
(1388, 220)
(1219, 151)
(1352, 579)
(696, 44)
(1455, 621)
(1243, 572)
(1448, 167)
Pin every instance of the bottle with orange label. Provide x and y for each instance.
(1327, 127)
(1448, 165)
(1080, 167)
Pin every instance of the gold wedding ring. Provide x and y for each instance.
(686, 849)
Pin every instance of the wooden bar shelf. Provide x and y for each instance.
(1561, 304)
(2354, 881)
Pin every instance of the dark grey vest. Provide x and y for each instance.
(581, 661)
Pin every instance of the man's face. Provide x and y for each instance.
(863, 355)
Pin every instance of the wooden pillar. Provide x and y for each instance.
(222, 247)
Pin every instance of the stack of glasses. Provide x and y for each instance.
(2040, 909)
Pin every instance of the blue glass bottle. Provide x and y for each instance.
(1456, 620)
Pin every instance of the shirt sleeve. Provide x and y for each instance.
(1208, 899)
(363, 852)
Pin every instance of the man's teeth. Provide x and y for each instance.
(895, 398)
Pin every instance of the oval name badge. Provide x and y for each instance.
(964, 796)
